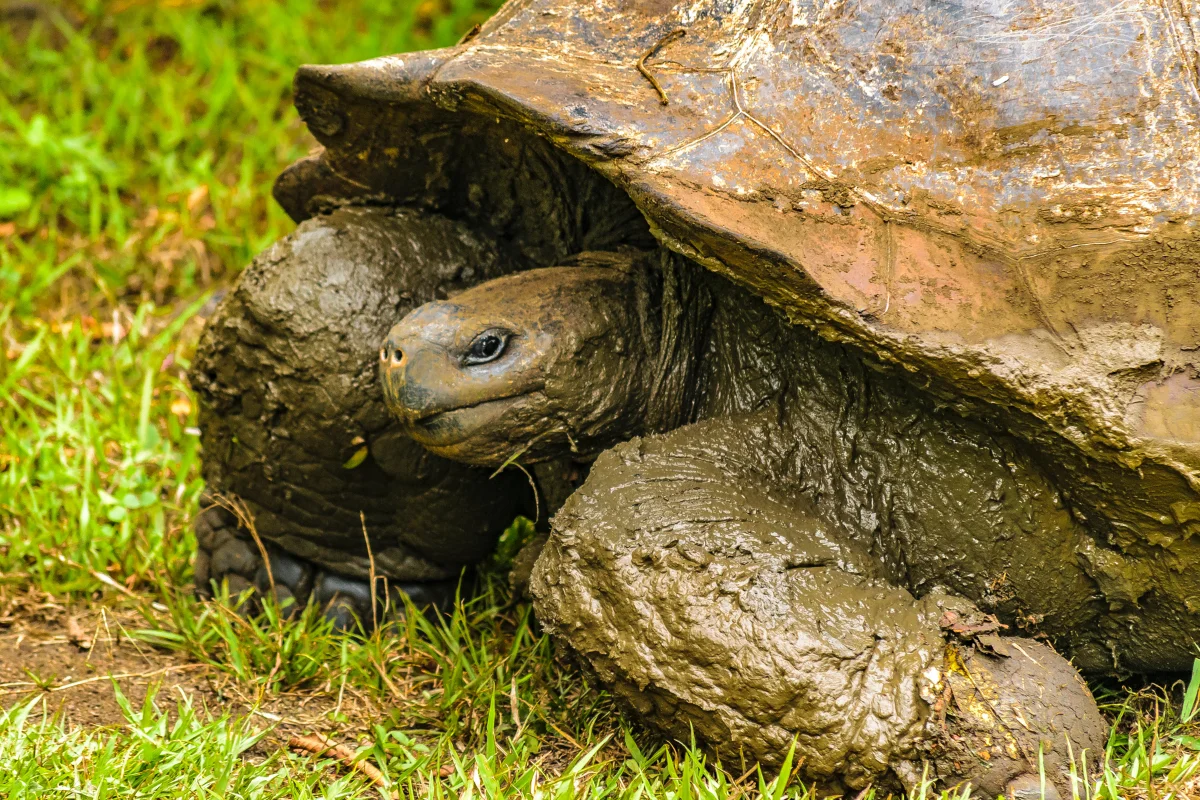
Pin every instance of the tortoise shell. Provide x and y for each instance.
(1000, 198)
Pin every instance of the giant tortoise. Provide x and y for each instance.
(854, 342)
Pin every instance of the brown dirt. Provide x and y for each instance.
(44, 649)
(73, 656)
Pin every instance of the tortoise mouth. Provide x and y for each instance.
(451, 426)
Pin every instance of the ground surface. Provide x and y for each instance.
(138, 141)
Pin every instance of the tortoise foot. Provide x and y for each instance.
(227, 557)
(347, 601)
(1012, 707)
(1030, 787)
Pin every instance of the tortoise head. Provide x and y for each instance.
(534, 365)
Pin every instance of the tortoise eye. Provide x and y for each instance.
(488, 346)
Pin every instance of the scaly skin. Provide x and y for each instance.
(228, 555)
(939, 499)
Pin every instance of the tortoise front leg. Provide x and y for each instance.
(700, 586)
(293, 423)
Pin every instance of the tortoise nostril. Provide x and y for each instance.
(391, 355)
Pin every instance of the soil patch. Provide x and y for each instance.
(73, 656)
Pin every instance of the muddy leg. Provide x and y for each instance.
(293, 421)
(711, 598)
(227, 555)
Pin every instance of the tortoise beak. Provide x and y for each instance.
(411, 371)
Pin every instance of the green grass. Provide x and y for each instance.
(155, 756)
(136, 154)
(138, 141)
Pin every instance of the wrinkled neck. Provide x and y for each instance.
(681, 307)
(695, 346)
(639, 376)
